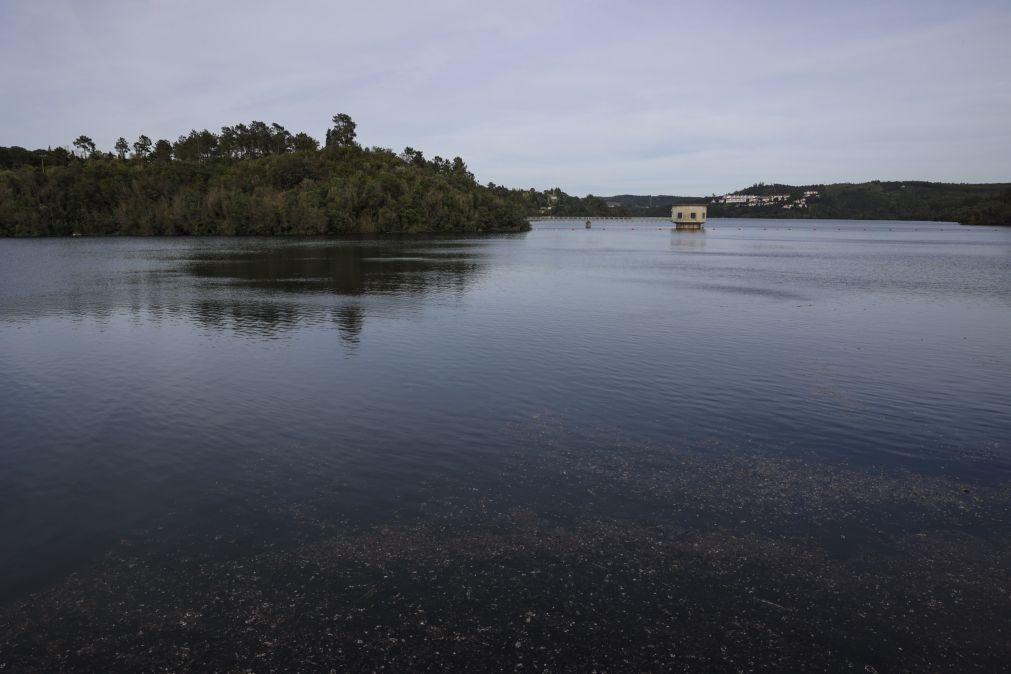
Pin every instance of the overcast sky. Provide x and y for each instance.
(599, 97)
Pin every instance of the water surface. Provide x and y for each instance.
(191, 394)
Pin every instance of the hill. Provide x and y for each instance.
(988, 203)
(249, 179)
(260, 179)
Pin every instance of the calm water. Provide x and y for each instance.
(168, 390)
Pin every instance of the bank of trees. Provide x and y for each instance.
(883, 200)
(248, 179)
(995, 211)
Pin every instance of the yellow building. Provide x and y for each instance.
(688, 216)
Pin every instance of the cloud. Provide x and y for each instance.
(595, 97)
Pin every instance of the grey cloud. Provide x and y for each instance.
(593, 97)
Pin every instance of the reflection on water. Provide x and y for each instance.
(209, 282)
(688, 241)
(343, 269)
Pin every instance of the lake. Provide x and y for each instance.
(771, 443)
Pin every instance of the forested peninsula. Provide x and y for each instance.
(255, 179)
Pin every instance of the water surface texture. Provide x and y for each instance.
(183, 405)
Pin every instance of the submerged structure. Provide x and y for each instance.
(688, 216)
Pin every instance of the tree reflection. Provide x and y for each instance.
(343, 268)
(259, 287)
(349, 320)
(273, 288)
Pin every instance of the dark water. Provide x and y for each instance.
(181, 392)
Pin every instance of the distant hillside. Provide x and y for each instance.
(982, 204)
(995, 211)
(634, 202)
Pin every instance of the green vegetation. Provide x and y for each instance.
(658, 205)
(249, 179)
(991, 212)
(975, 204)
(261, 179)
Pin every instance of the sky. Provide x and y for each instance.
(605, 98)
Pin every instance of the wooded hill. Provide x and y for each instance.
(260, 179)
(249, 179)
(976, 204)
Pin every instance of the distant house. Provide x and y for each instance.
(613, 204)
(810, 193)
(753, 199)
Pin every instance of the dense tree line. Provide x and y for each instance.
(556, 203)
(875, 200)
(988, 204)
(260, 178)
(16, 157)
(991, 212)
(248, 179)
